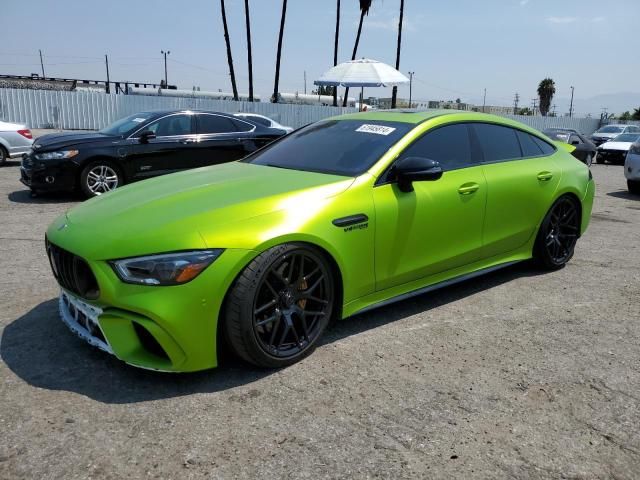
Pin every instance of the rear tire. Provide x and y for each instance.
(634, 186)
(558, 234)
(279, 306)
(3, 155)
(98, 177)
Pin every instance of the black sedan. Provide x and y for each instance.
(585, 149)
(137, 147)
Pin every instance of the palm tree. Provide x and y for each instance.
(249, 59)
(229, 57)
(274, 98)
(365, 5)
(546, 91)
(394, 94)
(636, 114)
(335, 52)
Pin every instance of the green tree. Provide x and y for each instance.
(365, 5)
(394, 94)
(276, 84)
(229, 56)
(524, 111)
(321, 90)
(625, 116)
(636, 114)
(546, 91)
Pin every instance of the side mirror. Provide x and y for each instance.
(146, 136)
(416, 169)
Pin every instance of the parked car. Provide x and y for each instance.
(15, 140)
(336, 218)
(632, 168)
(616, 150)
(137, 147)
(609, 132)
(262, 120)
(585, 150)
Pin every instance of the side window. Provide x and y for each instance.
(449, 145)
(242, 126)
(171, 125)
(215, 124)
(546, 148)
(529, 147)
(498, 143)
(259, 120)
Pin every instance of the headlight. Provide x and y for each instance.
(635, 149)
(57, 155)
(164, 269)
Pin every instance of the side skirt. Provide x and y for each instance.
(436, 286)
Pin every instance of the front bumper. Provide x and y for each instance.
(159, 328)
(48, 176)
(613, 156)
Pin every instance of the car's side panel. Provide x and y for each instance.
(435, 228)
(519, 194)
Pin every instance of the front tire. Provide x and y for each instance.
(98, 177)
(279, 306)
(3, 155)
(558, 234)
(600, 159)
(634, 186)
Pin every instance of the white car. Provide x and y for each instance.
(632, 169)
(15, 140)
(262, 120)
(609, 132)
(616, 150)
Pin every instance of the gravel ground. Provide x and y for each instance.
(514, 375)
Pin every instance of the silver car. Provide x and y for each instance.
(262, 120)
(15, 140)
(632, 168)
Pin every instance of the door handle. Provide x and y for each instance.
(545, 176)
(468, 188)
(187, 141)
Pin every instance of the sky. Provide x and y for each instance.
(456, 48)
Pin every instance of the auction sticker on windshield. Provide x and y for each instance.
(377, 129)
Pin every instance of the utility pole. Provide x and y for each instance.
(411, 87)
(484, 100)
(553, 110)
(305, 82)
(534, 105)
(571, 104)
(166, 83)
(106, 61)
(516, 99)
(41, 63)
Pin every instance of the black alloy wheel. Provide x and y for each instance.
(558, 234)
(280, 305)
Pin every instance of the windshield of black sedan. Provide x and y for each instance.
(339, 147)
(126, 125)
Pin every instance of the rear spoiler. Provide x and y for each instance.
(564, 146)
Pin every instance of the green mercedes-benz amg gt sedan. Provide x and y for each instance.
(334, 219)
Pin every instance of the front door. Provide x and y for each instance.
(173, 148)
(438, 226)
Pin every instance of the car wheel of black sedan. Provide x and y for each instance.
(99, 177)
(279, 306)
(558, 234)
(633, 186)
(600, 159)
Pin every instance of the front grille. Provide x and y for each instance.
(72, 272)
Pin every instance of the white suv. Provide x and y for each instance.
(632, 168)
(609, 132)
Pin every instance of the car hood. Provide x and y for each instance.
(54, 141)
(616, 146)
(178, 211)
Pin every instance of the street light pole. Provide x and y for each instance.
(571, 105)
(410, 87)
(166, 84)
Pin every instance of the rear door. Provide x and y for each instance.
(219, 139)
(522, 178)
(173, 148)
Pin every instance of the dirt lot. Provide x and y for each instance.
(517, 374)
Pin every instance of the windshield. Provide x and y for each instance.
(127, 125)
(339, 147)
(561, 136)
(610, 130)
(627, 137)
